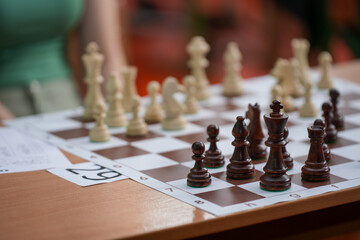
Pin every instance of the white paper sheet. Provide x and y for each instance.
(20, 153)
(87, 174)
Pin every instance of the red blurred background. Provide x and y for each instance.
(155, 33)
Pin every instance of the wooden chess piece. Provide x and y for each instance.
(256, 149)
(137, 126)
(325, 61)
(308, 109)
(174, 119)
(315, 168)
(213, 156)
(191, 104)
(330, 130)
(240, 166)
(300, 47)
(326, 149)
(276, 93)
(275, 177)
(298, 90)
(197, 49)
(337, 119)
(100, 132)
(115, 116)
(288, 160)
(92, 61)
(154, 112)
(198, 176)
(129, 74)
(232, 85)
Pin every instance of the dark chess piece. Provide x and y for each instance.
(337, 119)
(198, 176)
(288, 160)
(213, 156)
(275, 177)
(240, 166)
(315, 168)
(326, 149)
(330, 130)
(256, 149)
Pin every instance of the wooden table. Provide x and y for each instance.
(39, 205)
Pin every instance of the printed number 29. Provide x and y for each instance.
(103, 173)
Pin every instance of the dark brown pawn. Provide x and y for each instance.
(315, 168)
(240, 166)
(337, 119)
(326, 149)
(213, 156)
(288, 160)
(330, 130)
(257, 149)
(198, 176)
(275, 177)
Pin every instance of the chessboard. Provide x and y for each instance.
(162, 159)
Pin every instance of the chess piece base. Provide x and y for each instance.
(174, 124)
(116, 120)
(99, 134)
(214, 161)
(315, 175)
(272, 182)
(240, 171)
(257, 152)
(308, 110)
(202, 180)
(136, 128)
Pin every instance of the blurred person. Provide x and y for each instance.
(35, 76)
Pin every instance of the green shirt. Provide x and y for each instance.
(32, 39)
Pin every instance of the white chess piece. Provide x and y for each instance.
(301, 48)
(154, 112)
(129, 92)
(92, 61)
(174, 119)
(232, 85)
(99, 133)
(191, 104)
(282, 72)
(325, 61)
(115, 116)
(197, 49)
(308, 109)
(298, 89)
(137, 126)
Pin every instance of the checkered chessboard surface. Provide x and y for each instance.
(162, 159)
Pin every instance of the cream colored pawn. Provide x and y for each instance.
(191, 104)
(115, 116)
(129, 92)
(174, 119)
(154, 112)
(232, 85)
(298, 89)
(99, 133)
(137, 126)
(308, 109)
(325, 61)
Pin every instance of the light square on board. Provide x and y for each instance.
(161, 144)
(298, 133)
(297, 149)
(200, 115)
(147, 161)
(57, 125)
(296, 178)
(222, 108)
(120, 152)
(72, 133)
(351, 152)
(216, 100)
(167, 174)
(215, 185)
(229, 196)
(348, 111)
(352, 135)
(84, 142)
(224, 146)
(347, 170)
(353, 118)
(350, 96)
(190, 128)
(255, 188)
